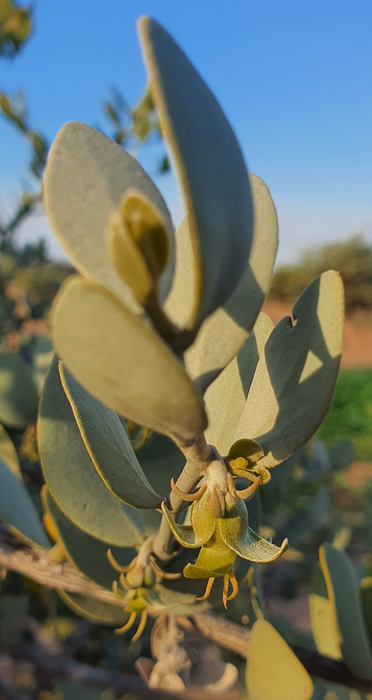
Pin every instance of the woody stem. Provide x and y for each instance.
(198, 457)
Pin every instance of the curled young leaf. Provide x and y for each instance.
(236, 535)
(123, 363)
(210, 165)
(72, 477)
(296, 374)
(109, 446)
(138, 244)
(226, 330)
(86, 177)
(226, 396)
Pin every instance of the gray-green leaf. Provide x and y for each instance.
(109, 446)
(17, 509)
(86, 177)
(295, 377)
(72, 477)
(210, 165)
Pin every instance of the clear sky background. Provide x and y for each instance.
(293, 76)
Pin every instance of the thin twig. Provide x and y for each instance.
(34, 564)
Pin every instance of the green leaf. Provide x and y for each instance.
(366, 600)
(181, 603)
(95, 610)
(88, 554)
(273, 670)
(72, 477)
(210, 165)
(123, 363)
(225, 398)
(41, 358)
(225, 332)
(18, 392)
(109, 446)
(17, 509)
(236, 534)
(160, 460)
(346, 610)
(295, 377)
(86, 177)
(323, 622)
(8, 453)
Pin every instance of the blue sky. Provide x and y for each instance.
(294, 78)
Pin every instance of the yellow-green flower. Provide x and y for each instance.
(219, 525)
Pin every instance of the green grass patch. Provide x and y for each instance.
(350, 413)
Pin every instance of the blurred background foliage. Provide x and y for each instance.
(321, 494)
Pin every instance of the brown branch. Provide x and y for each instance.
(34, 564)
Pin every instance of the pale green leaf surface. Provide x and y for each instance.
(8, 453)
(295, 377)
(273, 670)
(210, 165)
(72, 477)
(203, 523)
(346, 610)
(323, 622)
(88, 554)
(181, 603)
(95, 610)
(109, 446)
(17, 509)
(18, 392)
(225, 398)
(86, 177)
(226, 330)
(123, 363)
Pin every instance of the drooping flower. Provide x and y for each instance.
(219, 526)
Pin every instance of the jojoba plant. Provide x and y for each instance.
(164, 363)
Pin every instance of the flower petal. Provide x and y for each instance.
(184, 534)
(215, 559)
(245, 542)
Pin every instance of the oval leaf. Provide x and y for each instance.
(18, 393)
(95, 610)
(85, 179)
(225, 332)
(123, 363)
(323, 623)
(88, 554)
(226, 396)
(295, 377)
(210, 165)
(17, 509)
(109, 446)
(346, 610)
(72, 477)
(273, 670)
